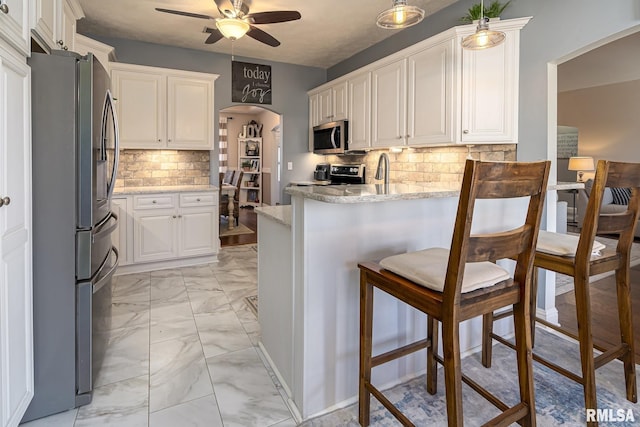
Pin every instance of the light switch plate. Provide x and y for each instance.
(290, 166)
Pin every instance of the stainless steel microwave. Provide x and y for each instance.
(331, 138)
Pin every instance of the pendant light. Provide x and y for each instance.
(400, 15)
(483, 38)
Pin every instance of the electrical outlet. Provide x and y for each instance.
(289, 166)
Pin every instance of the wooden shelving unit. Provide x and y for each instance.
(250, 162)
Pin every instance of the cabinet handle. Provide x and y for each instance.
(179, 216)
(400, 137)
(4, 8)
(197, 200)
(5, 201)
(465, 131)
(174, 216)
(154, 202)
(169, 140)
(159, 140)
(60, 43)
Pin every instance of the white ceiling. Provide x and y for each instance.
(328, 32)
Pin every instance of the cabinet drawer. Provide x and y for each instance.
(198, 199)
(158, 201)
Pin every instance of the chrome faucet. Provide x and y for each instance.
(385, 157)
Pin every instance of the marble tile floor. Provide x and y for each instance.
(183, 352)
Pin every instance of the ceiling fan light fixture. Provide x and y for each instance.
(400, 15)
(232, 28)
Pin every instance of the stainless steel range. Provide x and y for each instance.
(347, 174)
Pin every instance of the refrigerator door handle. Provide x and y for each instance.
(107, 276)
(102, 228)
(116, 139)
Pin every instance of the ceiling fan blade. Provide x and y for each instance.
(273, 17)
(263, 37)
(179, 12)
(214, 35)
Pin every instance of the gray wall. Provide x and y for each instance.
(558, 30)
(290, 84)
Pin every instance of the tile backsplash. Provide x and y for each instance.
(141, 168)
(444, 165)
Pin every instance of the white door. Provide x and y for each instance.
(155, 235)
(16, 296)
(119, 235)
(430, 107)
(189, 114)
(389, 100)
(140, 103)
(15, 25)
(198, 231)
(360, 112)
(339, 93)
(325, 105)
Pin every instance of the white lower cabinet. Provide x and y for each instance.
(171, 229)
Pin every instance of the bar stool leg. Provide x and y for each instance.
(487, 341)
(534, 304)
(432, 350)
(452, 370)
(366, 332)
(626, 330)
(583, 311)
(521, 320)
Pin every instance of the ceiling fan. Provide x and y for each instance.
(236, 21)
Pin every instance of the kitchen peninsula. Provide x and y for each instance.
(308, 282)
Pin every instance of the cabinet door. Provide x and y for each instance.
(430, 107)
(198, 231)
(489, 93)
(190, 113)
(314, 117)
(14, 25)
(389, 100)
(339, 95)
(119, 237)
(68, 27)
(325, 104)
(16, 298)
(360, 112)
(141, 108)
(47, 14)
(155, 235)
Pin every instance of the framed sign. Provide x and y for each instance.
(250, 83)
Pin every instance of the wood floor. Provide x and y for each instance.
(249, 218)
(605, 325)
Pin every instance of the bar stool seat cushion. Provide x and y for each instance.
(562, 244)
(428, 268)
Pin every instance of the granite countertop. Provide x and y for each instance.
(164, 189)
(281, 214)
(363, 193)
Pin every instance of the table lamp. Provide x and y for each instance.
(581, 164)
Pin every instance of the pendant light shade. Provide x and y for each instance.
(400, 15)
(232, 28)
(483, 38)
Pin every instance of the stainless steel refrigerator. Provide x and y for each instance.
(75, 162)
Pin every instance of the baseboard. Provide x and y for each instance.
(550, 315)
(166, 264)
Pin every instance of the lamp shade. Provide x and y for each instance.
(483, 38)
(400, 15)
(581, 164)
(232, 28)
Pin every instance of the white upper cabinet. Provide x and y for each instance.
(103, 52)
(15, 24)
(360, 112)
(389, 102)
(330, 104)
(430, 105)
(54, 23)
(161, 108)
(489, 108)
(433, 93)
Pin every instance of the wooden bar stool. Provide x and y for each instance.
(575, 257)
(454, 285)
